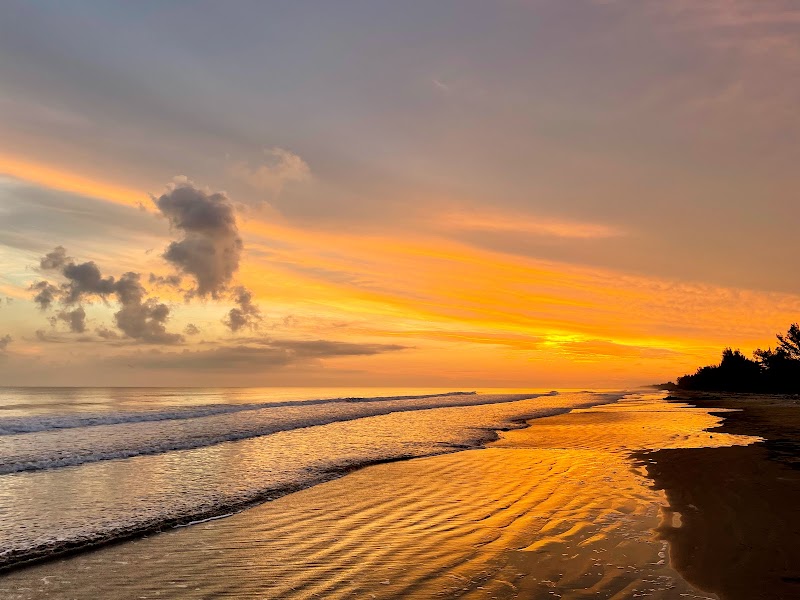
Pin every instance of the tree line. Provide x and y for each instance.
(769, 370)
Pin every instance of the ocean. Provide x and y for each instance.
(85, 466)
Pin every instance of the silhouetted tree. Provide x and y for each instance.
(772, 370)
(790, 343)
(781, 371)
(735, 373)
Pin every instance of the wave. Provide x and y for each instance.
(35, 424)
(69, 447)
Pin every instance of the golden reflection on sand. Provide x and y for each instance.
(555, 510)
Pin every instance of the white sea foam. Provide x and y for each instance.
(37, 423)
(124, 434)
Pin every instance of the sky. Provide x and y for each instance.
(454, 194)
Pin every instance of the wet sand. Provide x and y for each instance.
(556, 510)
(739, 506)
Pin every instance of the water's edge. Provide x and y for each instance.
(16, 559)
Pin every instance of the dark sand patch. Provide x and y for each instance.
(739, 507)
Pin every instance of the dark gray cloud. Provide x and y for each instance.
(55, 259)
(56, 338)
(268, 354)
(246, 314)
(191, 329)
(146, 321)
(129, 289)
(76, 319)
(5, 341)
(46, 294)
(173, 281)
(142, 318)
(327, 348)
(209, 252)
(211, 248)
(43, 336)
(139, 317)
(234, 358)
(106, 333)
(84, 280)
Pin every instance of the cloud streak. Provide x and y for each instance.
(267, 354)
(484, 221)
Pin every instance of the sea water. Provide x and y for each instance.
(79, 467)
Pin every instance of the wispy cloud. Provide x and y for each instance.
(476, 220)
(268, 354)
(739, 58)
(767, 29)
(440, 85)
(605, 349)
(737, 13)
(278, 168)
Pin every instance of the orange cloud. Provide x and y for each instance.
(65, 181)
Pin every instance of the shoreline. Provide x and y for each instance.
(553, 509)
(70, 549)
(643, 496)
(739, 521)
(11, 561)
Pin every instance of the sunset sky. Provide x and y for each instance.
(540, 193)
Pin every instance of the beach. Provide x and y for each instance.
(590, 503)
(740, 517)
